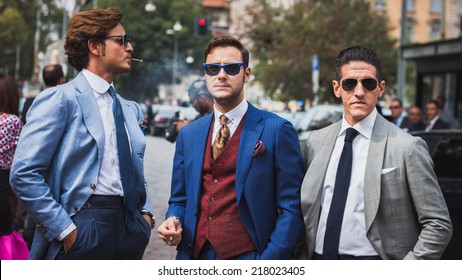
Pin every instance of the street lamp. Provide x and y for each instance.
(176, 28)
(150, 7)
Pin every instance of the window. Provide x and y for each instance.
(447, 158)
(436, 6)
(410, 25)
(410, 5)
(380, 4)
(435, 30)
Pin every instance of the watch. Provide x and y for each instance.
(153, 219)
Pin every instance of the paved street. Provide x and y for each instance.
(158, 161)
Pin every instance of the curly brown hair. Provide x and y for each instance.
(88, 25)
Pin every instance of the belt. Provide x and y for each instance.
(317, 256)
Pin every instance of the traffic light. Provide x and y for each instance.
(201, 27)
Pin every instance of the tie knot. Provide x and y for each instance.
(223, 120)
(112, 92)
(351, 133)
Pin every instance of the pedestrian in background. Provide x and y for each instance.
(397, 114)
(236, 173)
(53, 75)
(12, 245)
(370, 191)
(432, 110)
(79, 160)
(415, 119)
(446, 115)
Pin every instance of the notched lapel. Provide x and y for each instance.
(372, 180)
(250, 135)
(90, 112)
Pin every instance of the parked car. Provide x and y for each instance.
(162, 118)
(293, 117)
(317, 117)
(445, 147)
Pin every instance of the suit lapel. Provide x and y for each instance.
(251, 132)
(372, 180)
(90, 112)
(131, 124)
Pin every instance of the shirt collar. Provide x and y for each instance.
(98, 84)
(364, 127)
(235, 115)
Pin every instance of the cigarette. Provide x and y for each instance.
(137, 60)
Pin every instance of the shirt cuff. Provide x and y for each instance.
(66, 232)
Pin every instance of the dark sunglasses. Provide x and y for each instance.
(232, 69)
(123, 39)
(368, 83)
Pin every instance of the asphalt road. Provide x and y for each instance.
(158, 161)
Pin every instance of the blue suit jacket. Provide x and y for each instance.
(59, 155)
(267, 186)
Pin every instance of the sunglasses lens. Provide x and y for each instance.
(349, 84)
(232, 69)
(212, 69)
(369, 84)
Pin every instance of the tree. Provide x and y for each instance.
(151, 43)
(17, 28)
(284, 41)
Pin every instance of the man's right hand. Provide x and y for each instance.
(170, 231)
(69, 240)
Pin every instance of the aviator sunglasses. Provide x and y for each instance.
(123, 39)
(232, 69)
(368, 83)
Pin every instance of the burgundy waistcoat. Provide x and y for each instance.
(218, 220)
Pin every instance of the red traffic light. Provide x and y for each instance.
(202, 22)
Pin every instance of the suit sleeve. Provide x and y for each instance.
(47, 120)
(289, 176)
(177, 201)
(429, 203)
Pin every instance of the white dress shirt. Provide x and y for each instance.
(353, 240)
(234, 118)
(109, 181)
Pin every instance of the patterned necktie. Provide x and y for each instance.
(337, 206)
(127, 173)
(222, 138)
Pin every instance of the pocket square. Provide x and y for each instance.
(259, 149)
(387, 170)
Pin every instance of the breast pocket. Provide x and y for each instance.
(390, 175)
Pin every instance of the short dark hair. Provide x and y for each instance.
(9, 95)
(88, 25)
(399, 101)
(52, 74)
(357, 53)
(227, 41)
(434, 101)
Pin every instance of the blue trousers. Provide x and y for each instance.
(102, 232)
(208, 253)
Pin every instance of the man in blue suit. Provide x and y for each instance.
(236, 174)
(78, 167)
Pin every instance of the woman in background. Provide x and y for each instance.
(12, 245)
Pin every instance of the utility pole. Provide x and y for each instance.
(401, 62)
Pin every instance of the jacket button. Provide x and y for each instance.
(215, 180)
(75, 209)
(209, 218)
(204, 237)
(86, 205)
(93, 186)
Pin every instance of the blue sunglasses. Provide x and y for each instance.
(232, 69)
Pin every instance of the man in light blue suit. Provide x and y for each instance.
(78, 167)
(236, 174)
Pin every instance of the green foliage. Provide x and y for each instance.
(17, 27)
(154, 46)
(286, 40)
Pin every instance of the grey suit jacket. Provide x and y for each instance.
(59, 155)
(405, 212)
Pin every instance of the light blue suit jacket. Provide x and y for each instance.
(267, 186)
(59, 156)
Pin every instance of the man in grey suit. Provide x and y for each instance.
(386, 202)
(78, 166)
